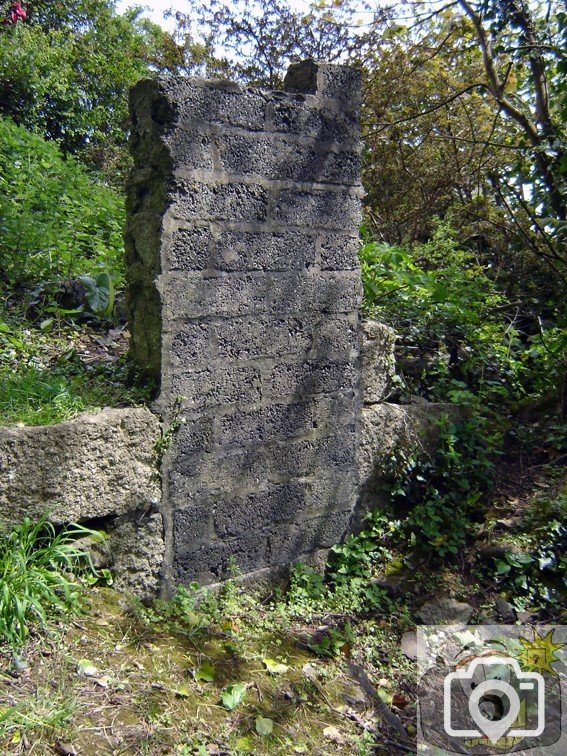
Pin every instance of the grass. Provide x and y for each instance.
(49, 377)
(159, 680)
(37, 581)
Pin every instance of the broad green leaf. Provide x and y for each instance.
(233, 695)
(205, 673)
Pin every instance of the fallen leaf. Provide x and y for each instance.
(102, 682)
(205, 672)
(233, 695)
(399, 701)
(274, 667)
(334, 735)
(264, 726)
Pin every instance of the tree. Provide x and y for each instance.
(259, 39)
(65, 72)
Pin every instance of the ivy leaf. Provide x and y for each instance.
(264, 726)
(233, 695)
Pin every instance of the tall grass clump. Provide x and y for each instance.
(38, 568)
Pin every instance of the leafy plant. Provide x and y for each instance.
(58, 219)
(37, 569)
(539, 575)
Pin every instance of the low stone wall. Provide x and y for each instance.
(385, 426)
(98, 468)
(102, 470)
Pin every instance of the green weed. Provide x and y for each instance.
(37, 576)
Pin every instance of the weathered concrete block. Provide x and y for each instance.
(318, 209)
(98, 465)
(215, 386)
(194, 200)
(378, 361)
(190, 343)
(255, 337)
(303, 116)
(254, 202)
(276, 422)
(307, 379)
(277, 158)
(260, 510)
(191, 249)
(339, 252)
(197, 296)
(265, 251)
(137, 547)
(334, 336)
(209, 563)
(343, 85)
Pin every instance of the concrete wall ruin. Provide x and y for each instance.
(244, 209)
(244, 294)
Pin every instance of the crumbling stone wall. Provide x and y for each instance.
(244, 209)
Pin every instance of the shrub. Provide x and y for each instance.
(58, 219)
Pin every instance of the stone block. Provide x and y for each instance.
(192, 526)
(336, 411)
(340, 83)
(327, 292)
(339, 252)
(194, 435)
(290, 542)
(218, 102)
(318, 209)
(335, 337)
(216, 385)
(189, 149)
(191, 200)
(265, 251)
(306, 379)
(279, 159)
(305, 117)
(251, 338)
(330, 491)
(200, 296)
(97, 465)
(260, 426)
(210, 562)
(190, 249)
(378, 361)
(137, 547)
(189, 343)
(259, 510)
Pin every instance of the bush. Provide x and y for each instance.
(58, 220)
